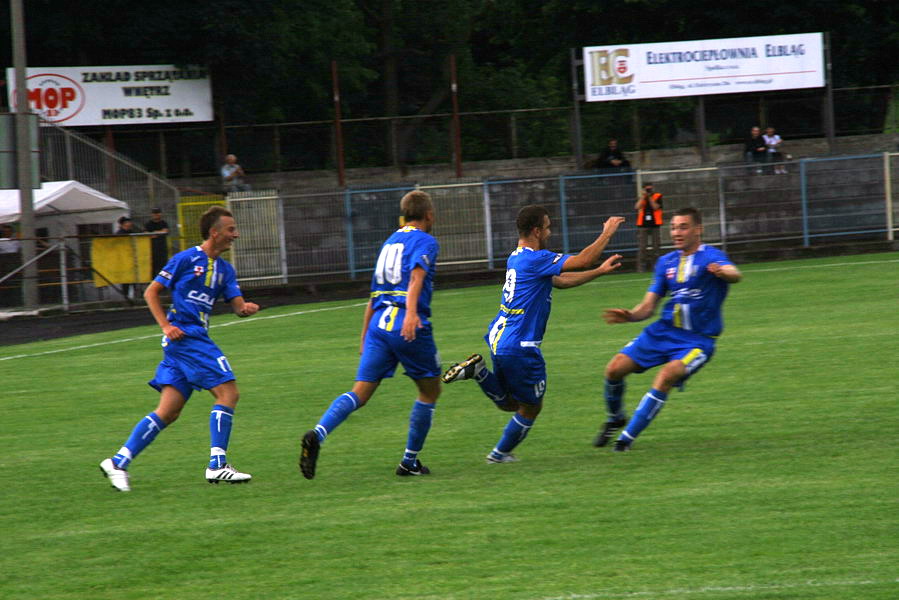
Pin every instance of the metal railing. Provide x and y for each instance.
(336, 235)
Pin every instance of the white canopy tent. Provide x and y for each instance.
(61, 206)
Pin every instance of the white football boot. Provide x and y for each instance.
(118, 478)
(228, 474)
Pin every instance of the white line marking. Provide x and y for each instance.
(159, 335)
(719, 589)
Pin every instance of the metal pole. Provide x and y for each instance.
(722, 211)
(803, 196)
(338, 130)
(829, 121)
(576, 98)
(457, 128)
(700, 127)
(488, 225)
(888, 195)
(63, 274)
(24, 175)
(563, 210)
(350, 245)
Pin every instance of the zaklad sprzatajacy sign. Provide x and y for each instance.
(117, 95)
(701, 67)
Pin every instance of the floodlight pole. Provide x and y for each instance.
(576, 98)
(829, 121)
(23, 157)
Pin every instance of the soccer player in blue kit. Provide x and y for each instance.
(196, 277)
(682, 341)
(518, 380)
(395, 329)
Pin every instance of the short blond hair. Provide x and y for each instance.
(416, 205)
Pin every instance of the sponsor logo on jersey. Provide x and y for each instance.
(165, 274)
(201, 298)
(557, 258)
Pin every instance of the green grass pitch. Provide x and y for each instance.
(773, 476)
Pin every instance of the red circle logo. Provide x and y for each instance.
(56, 98)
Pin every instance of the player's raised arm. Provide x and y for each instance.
(641, 312)
(587, 257)
(576, 278)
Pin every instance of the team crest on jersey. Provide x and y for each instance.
(198, 271)
(671, 272)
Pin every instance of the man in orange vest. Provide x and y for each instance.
(649, 222)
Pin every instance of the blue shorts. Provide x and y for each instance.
(660, 343)
(191, 363)
(521, 376)
(384, 349)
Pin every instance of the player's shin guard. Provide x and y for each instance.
(649, 407)
(336, 414)
(419, 425)
(614, 395)
(220, 422)
(143, 433)
(516, 430)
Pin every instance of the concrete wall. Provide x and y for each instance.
(666, 158)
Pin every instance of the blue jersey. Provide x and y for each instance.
(696, 294)
(407, 248)
(525, 303)
(196, 282)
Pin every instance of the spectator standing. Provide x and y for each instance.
(755, 149)
(159, 242)
(773, 142)
(649, 221)
(233, 176)
(126, 227)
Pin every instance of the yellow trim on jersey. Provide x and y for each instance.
(377, 293)
(691, 356)
(499, 334)
(391, 318)
(210, 268)
(408, 228)
(677, 317)
(511, 311)
(681, 269)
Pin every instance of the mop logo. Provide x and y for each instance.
(56, 98)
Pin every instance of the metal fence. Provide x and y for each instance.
(336, 235)
(66, 155)
(189, 151)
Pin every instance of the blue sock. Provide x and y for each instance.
(614, 394)
(649, 407)
(419, 425)
(219, 433)
(489, 383)
(516, 430)
(336, 414)
(143, 433)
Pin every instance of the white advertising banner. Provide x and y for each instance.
(125, 95)
(724, 66)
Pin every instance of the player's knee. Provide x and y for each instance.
(507, 404)
(168, 416)
(616, 370)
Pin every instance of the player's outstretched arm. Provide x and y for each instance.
(576, 278)
(589, 255)
(366, 319)
(641, 312)
(154, 303)
(728, 273)
(243, 308)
